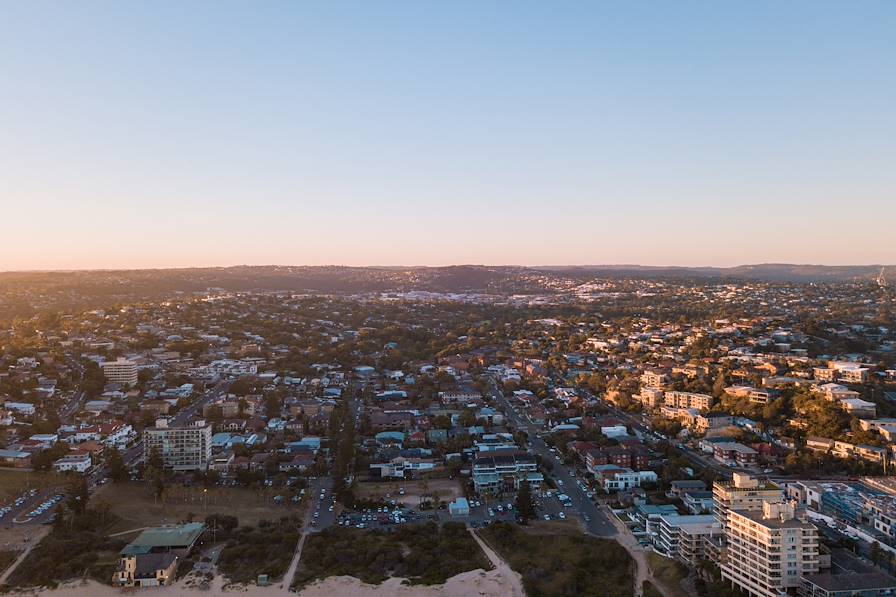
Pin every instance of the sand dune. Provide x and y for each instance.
(475, 582)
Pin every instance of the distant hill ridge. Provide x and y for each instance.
(455, 278)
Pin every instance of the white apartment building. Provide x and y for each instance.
(685, 537)
(846, 371)
(743, 492)
(181, 448)
(769, 551)
(754, 395)
(653, 379)
(677, 399)
(77, 463)
(649, 397)
(121, 371)
(498, 472)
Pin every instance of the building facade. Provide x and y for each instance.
(181, 448)
(768, 552)
(121, 371)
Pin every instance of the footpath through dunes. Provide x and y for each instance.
(516, 582)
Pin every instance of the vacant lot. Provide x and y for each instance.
(135, 505)
(14, 482)
(569, 565)
(424, 554)
(414, 491)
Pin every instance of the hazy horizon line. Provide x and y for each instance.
(402, 266)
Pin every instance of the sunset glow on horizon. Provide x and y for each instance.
(214, 134)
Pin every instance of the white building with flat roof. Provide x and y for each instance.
(121, 371)
(769, 551)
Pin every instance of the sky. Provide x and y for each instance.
(173, 134)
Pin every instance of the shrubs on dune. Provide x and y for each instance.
(250, 551)
(77, 547)
(563, 565)
(424, 554)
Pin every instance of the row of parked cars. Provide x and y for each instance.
(4, 510)
(323, 495)
(376, 516)
(45, 505)
(499, 509)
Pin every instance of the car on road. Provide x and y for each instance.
(562, 516)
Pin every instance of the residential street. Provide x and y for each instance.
(594, 519)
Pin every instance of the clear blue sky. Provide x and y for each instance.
(212, 133)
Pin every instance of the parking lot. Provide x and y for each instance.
(32, 506)
(323, 504)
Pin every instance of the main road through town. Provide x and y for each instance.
(594, 518)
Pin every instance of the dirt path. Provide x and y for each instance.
(642, 566)
(294, 565)
(127, 532)
(516, 583)
(286, 583)
(31, 545)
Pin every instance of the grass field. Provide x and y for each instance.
(14, 482)
(446, 489)
(564, 565)
(135, 506)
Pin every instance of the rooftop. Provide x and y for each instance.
(168, 537)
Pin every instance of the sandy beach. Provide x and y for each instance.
(475, 582)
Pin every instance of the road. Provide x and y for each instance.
(319, 503)
(71, 407)
(134, 454)
(183, 416)
(597, 522)
(698, 459)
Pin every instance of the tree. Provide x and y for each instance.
(525, 503)
(155, 460)
(78, 495)
(718, 386)
(875, 553)
(117, 469)
(158, 484)
(466, 418)
(44, 460)
(214, 414)
(144, 376)
(272, 405)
